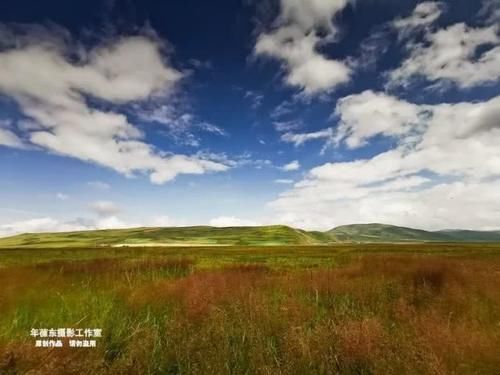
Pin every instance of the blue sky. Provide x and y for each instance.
(307, 113)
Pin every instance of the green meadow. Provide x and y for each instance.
(430, 308)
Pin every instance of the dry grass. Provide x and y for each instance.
(205, 290)
(379, 314)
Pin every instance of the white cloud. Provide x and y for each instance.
(300, 138)
(283, 109)
(242, 160)
(490, 10)
(231, 221)
(113, 222)
(292, 166)
(449, 55)
(51, 91)
(424, 15)
(104, 208)
(44, 224)
(62, 196)
(286, 126)
(9, 138)
(443, 206)
(295, 42)
(443, 172)
(108, 220)
(367, 114)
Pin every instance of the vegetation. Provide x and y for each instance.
(349, 309)
(238, 236)
(200, 235)
(392, 233)
(385, 233)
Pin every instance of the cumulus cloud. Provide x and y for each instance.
(52, 77)
(292, 166)
(443, 172)
(300, 28)
(365, 115)
(231, 221)
(442, 206)
(459, 54)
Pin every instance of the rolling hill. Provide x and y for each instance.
(392, 233)
(472, 235)
(257, 236)
(184, 236)
(383, 233)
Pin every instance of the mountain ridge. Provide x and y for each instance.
(250, 235)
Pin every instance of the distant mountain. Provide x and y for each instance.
(256, 236)
(472, 235)
(383, 233)
(391, 233)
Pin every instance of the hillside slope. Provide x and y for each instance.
(258, 236)
(383, 233)
(391, 233)
(198, 235)
(472, 235)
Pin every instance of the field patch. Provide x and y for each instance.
(349, 309)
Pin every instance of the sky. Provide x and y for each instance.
(312, 114)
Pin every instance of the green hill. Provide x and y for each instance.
(198, 235)
(472, 235)
(392, 233)
(257, 236)
(383, 233)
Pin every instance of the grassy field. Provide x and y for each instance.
(348, 309)
(270, 235)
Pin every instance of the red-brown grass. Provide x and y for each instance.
(202, 291)
(360, 342)
(380, 314)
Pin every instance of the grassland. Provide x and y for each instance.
(175, 236)
(370, 233)
(272, 235)
(348, 309)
